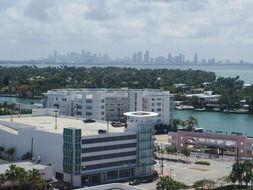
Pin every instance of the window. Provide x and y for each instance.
(112, 175)
(124, 173)
(88, 107)
(88, 113)
(89, 101)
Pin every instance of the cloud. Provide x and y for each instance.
(101, 25)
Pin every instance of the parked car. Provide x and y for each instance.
(89, 121)
(134, 182)
(147, 180)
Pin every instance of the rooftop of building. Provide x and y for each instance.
(107, 90)
(26, 165)
(141, 114)
(112, 186)
(47, 123)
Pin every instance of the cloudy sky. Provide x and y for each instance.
(213, 28)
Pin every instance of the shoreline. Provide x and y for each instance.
(225, 112)
(15, 96)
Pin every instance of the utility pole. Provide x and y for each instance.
(107, 120)
(32, 149)
(55, 122)
(19, 110)
(162, 162)
(76, 111)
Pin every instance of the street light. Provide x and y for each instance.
(11, 112)
(55, 122)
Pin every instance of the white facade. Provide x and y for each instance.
(78, 151)
(143, 124)
(110, 104)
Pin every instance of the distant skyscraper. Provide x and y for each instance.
(195, 58)
(180, 59)
(134, 58)
(146, 57)
(169, 58)
(139, 57)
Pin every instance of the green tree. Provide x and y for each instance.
(248, 174)
(35, 179)
(167, 183)
(2, 148)
(22, 177)
(176, 123)
(204, 184)
(2, 179)
(11, 175)
(237, 173)
(10, 152)
(186, 152)
(191, 122)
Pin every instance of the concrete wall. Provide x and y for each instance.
(42, 145)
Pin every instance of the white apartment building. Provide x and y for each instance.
(110, 104)
(81, 153)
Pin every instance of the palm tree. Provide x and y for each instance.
(176, 123)
(10, 152)
(191, 122)
(248, 174)
(2, 179)
(186, 152)
(11, 175)
(35, 179)
(1, 150)
(22, 177)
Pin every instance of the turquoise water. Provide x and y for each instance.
(19, 100)
(245, 75)
(207, 120)
(220, 121)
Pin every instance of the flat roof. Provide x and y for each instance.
(112, 186)
(141, 114)
(26, 165)
(47, 123)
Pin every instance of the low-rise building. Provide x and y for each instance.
(206, 98)
(110, 104)
(84, 153)
(217, 142)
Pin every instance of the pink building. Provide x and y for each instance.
(213, 142)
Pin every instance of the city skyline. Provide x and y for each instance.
(138, 57)
(212, 28)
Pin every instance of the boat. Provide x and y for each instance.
(200, 109)
(185, 107)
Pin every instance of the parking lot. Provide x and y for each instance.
(189, 173)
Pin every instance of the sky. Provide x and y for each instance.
(31, 29)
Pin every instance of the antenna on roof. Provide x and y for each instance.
(55, 123)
